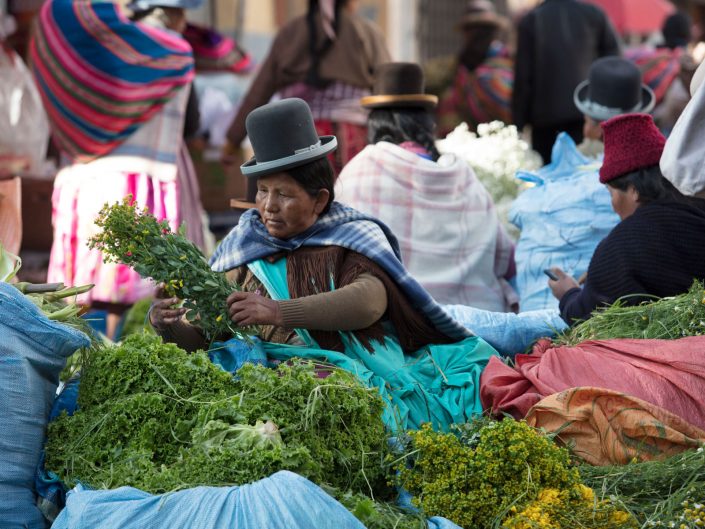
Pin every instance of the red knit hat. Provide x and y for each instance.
(632, 142)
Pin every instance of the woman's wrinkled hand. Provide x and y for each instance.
(247, 308)
(563, 284)
(162, 313)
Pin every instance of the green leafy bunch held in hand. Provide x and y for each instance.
(133, 237)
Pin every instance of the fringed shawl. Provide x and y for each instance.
(346, 228)
(101, 76)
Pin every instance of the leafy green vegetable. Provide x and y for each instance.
(157, 418)
(667, 318)
(654, 491)
(378, 515)
(136, 319)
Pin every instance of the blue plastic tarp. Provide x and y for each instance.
(509, 333)
(562, 220)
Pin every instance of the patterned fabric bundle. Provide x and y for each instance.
(97, 95)
(216, 53)
(341, 226)
(658, 67)
(480, 96)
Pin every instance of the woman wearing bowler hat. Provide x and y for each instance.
(614, 87)
(658, 248)
(450, 235)
(326, 282)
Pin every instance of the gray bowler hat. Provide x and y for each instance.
(283, 136)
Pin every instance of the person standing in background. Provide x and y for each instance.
(475, 86)
(118, 118)
(557, 42)
(327, 58)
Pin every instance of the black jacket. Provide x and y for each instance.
(657, 251)
(557, 43)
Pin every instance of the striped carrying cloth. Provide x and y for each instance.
(480, 96)
(101, 76)
(659, 67)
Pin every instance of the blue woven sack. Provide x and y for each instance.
(33, 351)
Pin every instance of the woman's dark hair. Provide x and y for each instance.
(477, 42)
(316, 51)
(650, 184)
(315, 176)
(138, 16)
(403, 124)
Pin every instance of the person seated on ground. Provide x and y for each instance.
(328, 281)
(451, 238)
(658, 248)
(613, 87)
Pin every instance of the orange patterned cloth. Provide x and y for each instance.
(605, 427)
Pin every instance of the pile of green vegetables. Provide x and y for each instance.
(668, 493)
(667, 318)
(156, 418)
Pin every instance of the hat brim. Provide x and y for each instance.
(241, 204)
(252, 169)
(603, 113)
(483, 19)
(400, 101)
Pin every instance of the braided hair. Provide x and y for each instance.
(317, 52)
(397, 125)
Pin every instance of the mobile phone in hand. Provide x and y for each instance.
(551, 275)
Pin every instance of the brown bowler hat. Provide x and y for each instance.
(398, 85)
(482, 13)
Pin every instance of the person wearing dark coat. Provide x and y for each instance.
(557, 43)
(659, 247)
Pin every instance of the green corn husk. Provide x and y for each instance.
(667, 318)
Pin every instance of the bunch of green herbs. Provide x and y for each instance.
(157, 418)
(653, 491)
(667, 318)
(135, 238)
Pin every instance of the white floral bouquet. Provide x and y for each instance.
(495, 153)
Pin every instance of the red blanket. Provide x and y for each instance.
(667, 373)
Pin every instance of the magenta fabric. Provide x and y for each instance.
(667, 373)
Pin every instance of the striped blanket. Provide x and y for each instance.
(102, 76)
(480, 96)
(341, 226)
(659, 67)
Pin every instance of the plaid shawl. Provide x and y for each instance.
(101, 76)
(341, 226)
(447, 226)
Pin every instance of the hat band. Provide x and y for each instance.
(308, 149)
(597, 108)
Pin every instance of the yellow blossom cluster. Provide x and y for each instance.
(569, 508)
(474, 485)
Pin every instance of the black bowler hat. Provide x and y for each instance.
(613, 88)
(283, 136)
(399, 84)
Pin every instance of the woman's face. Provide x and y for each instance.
(285, 207)
(624, 203)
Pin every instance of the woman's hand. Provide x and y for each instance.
(161, 313)
(563, 285)
(247, 308)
